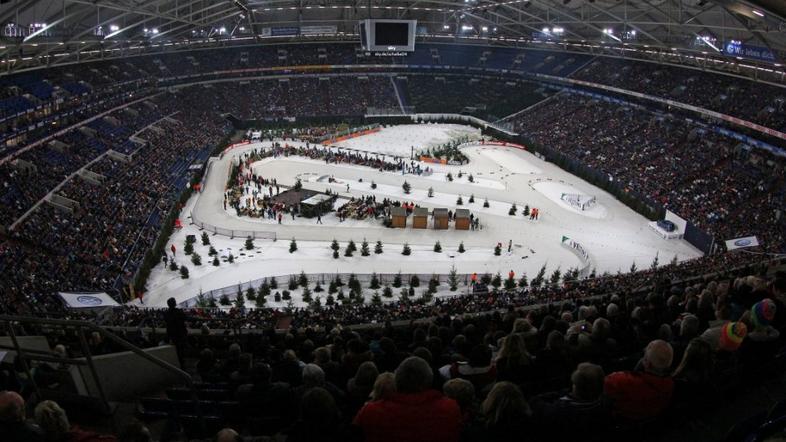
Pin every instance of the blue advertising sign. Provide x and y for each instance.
(736, 48)
(284, 31)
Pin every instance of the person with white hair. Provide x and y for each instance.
(54, 422)
(643, 393)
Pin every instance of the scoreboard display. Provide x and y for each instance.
(384, 35)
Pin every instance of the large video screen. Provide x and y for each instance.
(386, 35)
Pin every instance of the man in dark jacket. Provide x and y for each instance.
(176, 328)
(583, 406)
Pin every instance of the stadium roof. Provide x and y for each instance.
(45, 32)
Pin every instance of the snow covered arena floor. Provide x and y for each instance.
(613, 235)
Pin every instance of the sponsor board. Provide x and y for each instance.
(741, 243)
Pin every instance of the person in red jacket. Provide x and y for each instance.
(643, 393)
(414, 413)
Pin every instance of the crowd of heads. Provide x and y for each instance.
(589, 368)
(100, 241)
(709, 179)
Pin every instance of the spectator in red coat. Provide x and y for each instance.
(645, 392)
(414, 413)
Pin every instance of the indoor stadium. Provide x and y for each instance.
(392, 220)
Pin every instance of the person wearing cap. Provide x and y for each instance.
(643, 393)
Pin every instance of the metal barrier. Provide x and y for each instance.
(27, 355)
(324, 279)
(255, 234)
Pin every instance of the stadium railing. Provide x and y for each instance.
(27, 355)
(254, 234)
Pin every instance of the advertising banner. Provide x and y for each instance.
(741, 243)
(88, 300)
(735, 48)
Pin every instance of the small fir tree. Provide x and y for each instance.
(307, 295)
(240, 300)
(397, 280)
(453, 279)
(378, 248)
(555, 276)
(437, 247)
(364, 250)
(496, 281)
(406, 251)
(292, 246)
(374, 283)
(184, 272)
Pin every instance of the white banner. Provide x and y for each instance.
(88, 300)
(318, 30)
(741, 243)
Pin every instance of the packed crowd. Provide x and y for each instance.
(702, 176)
(38, 171)
(278, 98)
(486, 98)
(615, 367)
(101, 242)
(33, 107)
(757, 102)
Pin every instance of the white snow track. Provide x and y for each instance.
(614, 238)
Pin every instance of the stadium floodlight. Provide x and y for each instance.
(154, 31)
(114, 28)
(466, 27)
(445, 26)
(484, 28)
(557, 30)
(759, 13)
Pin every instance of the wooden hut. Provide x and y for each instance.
(462, 219)
(441, 220)
(420, 218)
(398, 217)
